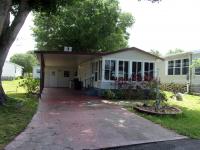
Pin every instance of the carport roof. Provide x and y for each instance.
(95, 53)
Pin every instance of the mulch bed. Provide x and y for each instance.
(165, 110)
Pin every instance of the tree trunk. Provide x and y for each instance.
(9, 34)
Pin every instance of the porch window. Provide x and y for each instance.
(136, 71)
(197, 71)
(66, 74)
(110, 66)
(96, 71)
(148, 71)
(185, 69)
(38, 71)
(100, 69)
(177, 67)
(170, 67)
(93, 67)
(123, 70)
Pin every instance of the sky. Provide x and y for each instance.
(161, 26)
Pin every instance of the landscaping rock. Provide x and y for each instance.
(179, 97)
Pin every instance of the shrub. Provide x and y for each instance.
(18, 78)
(153, 94)
(109, 94)
(174, 87)
(119, 94)
(133, 94)
(31, 85)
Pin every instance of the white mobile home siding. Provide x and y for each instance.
(54, 76)
(163, 69)
(86, 76)
(11, 70)
(130, 55)
(195, 78)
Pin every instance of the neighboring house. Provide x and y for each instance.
(98, 70)
(36, 72)
(11, 71)
(177, 69)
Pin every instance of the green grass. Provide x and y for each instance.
(16, 113)
(13, 87)
(187, 123)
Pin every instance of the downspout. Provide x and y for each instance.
(190, 73)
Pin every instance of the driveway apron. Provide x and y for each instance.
(69, 120)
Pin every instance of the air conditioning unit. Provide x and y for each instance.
(67, 49)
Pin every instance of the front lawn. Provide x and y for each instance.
(13, 86)
(16, 113)
(186, 124)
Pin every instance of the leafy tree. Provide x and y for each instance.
(155, 52)
(87, 25)
(27, 61)
(196, 63)
(175, 51)
(19, 9)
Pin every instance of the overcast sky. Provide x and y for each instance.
(162, 26)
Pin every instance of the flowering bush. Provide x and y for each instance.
(140, 90)
(31, 85)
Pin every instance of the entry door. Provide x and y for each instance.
(53, 78)
(63, 78)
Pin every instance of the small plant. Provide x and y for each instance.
(31, 85)
(109, 94)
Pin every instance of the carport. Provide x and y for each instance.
(59, 68)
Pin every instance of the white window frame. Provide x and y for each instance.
(154, 67)
(130, 67)
(185, 66)
(142, 70)
(96, 69)
(100, 69)
(174, 66)
(195, 72)
(109, 78)
(124, 68)
(180, 67)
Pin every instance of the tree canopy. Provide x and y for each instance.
(155, 52)
(27, 61)
(196, 63)
(87, 25)
(175, 51)
(9, 28)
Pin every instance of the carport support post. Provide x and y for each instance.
(41, 74)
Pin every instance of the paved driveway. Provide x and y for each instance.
(68, 120)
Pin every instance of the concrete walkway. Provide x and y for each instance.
(68, 120)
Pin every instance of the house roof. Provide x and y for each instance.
(8, 62)
(67, 53)
(132, 49)
(178, 54)
(96, 53)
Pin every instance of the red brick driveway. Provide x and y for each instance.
(68, 120)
